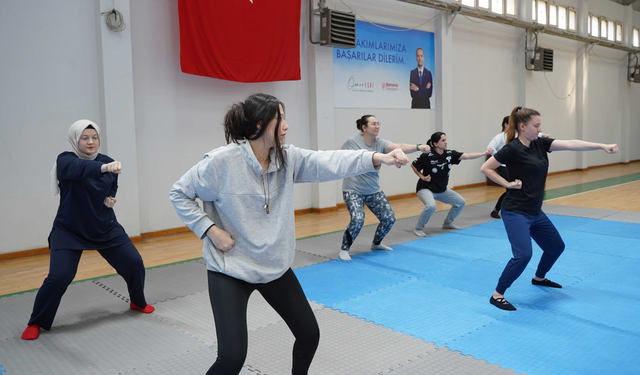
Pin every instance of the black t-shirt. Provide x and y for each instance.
(529, 165)
(438, 166)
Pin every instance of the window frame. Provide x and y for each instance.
(555, 12)
(603, 24)
(593, 18)
(635, 37)
(536, 17)
(571, 11)
(566, 17)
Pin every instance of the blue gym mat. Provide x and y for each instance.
(438, 288)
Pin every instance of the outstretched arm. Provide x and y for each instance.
(489, 169)
(395, 157)
(475, 155)
(407, 148)
(578, 145)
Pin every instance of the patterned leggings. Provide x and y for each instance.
(378, 204)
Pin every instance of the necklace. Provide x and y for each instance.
(266, 194)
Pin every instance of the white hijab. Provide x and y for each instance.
(75, 132)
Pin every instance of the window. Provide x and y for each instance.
(562, 17)
(496, 6)
(594, 25)
(542, 11)
(493, 6)
(469, 3)
(618, 32)
(511, 7)
(553, 15)
(611, 33)
(603, 28)
(572, 19)
(636, 37)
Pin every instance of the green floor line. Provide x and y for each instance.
(588, 186)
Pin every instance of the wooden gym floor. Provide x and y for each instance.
(22, 274)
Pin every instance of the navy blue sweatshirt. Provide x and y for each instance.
(83, 222)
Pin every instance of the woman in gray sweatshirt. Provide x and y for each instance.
(247, 222)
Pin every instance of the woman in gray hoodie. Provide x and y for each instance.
(247, 222)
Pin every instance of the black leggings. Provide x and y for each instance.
(229, 299)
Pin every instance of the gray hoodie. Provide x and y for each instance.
(234, 191)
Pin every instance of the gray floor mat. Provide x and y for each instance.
(192, 315)
(83, 301)
(346, 346)
(107, 345)
(166, 282)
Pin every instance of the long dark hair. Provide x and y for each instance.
(519, 115)
(362, 121)
(435, 138)
(242, 120)
(505, 123)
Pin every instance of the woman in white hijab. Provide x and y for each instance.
(87, 182)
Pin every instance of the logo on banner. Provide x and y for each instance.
(354, 85)
(388, 86)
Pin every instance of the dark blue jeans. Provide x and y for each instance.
(521, 228)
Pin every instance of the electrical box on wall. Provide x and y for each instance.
(634, 75)
(543, 59)
(337, 28)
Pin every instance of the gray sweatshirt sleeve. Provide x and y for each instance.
(199, 182)
(320, 166)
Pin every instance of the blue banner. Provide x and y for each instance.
(390, 67)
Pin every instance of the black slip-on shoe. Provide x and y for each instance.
(546, 282)
(502, 304)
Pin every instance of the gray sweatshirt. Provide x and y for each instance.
(234, 191)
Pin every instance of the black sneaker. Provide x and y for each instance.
(502, 304)
(546, 282)
(495, 214)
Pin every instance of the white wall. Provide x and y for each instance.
(485, 89)
(557, 108)
(179, 116)
(605, 68)
(50, 78)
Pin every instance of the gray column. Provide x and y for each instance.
(582, 80)
(115, 80)
(444, 72)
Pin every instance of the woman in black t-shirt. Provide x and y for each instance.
(527, 164)
(433, 169)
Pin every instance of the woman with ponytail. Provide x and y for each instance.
(364, 189)
(87, 182)
(525, 155)
(433, 169)
(247, 222)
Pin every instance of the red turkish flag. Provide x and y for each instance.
(240, 40)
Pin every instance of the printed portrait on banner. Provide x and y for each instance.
(390, 67)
